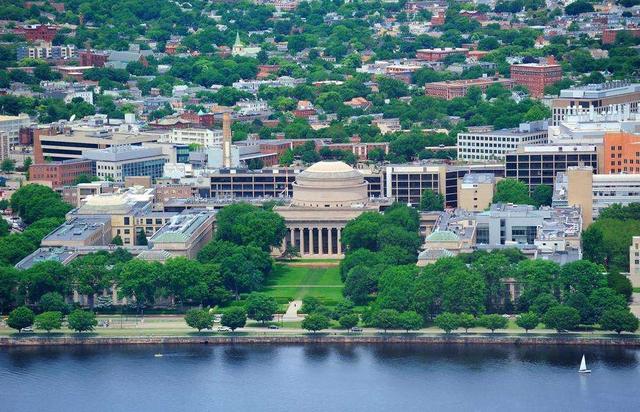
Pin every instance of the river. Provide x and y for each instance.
(318, 378)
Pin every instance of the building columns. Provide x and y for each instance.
(330, 244)
(320, 239)
(339, 241)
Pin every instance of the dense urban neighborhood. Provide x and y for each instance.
(286, 166)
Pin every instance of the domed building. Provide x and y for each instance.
(326, 196)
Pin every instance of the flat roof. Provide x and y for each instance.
(78, 228)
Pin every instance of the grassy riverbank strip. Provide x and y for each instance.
(16, 340)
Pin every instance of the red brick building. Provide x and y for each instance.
(60, 173)
(458, 88)
(265, 70)
(609, 35)
(535, 76)
(35, 32)
(434, 55)
(93, 58)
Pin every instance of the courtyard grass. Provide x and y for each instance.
(288, 283)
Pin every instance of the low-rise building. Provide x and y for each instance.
(634, 262)
(119, 162)
(535, 76)
(184, 234)
(438, 54)
(451, 89)
(80, 231)
(60, 173)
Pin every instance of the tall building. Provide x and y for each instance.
(495, 144)
(200, 137)
(621, 153)
(539, 165)
(596, 98)
(4, 146)
(535, 76)
(475, 191)
(119, 162)
(11, 125)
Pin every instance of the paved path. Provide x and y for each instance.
(635, 304)
(292, 311)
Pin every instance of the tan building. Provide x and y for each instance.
(634, 262)
(325, 197)
(475, 191)
(184, 234)
(580, 191)
(80, 231)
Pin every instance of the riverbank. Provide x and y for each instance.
(320, 338)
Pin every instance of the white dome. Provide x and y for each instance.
(330, 184)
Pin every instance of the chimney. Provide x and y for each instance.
(226, 140)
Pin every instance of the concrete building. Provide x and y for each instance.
(451, 89)
(325, 197)
(72, 143)
(80, 231)
(595, 98)
(495, 145)
(535, 77)
(621, 153)
(60, 173)
(11, 125)
(539, 165)
(634, 262)
(120, 162)
(184, 234)
(595, 192)
(475, 191)
(130, 212)
(5, 149)
(201, 137)
(76, 195)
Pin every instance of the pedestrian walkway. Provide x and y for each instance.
(292, 311)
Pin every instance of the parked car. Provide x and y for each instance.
(356, 329)
(27, 329)
(224, 329)
(274, 327)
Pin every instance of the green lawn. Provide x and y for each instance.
(295, 282)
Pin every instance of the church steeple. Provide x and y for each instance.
(238, 42)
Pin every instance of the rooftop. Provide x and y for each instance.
(181, 228)
(78, 228)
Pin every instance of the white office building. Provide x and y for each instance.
(201, 137)
(11, 125)
(496, 144)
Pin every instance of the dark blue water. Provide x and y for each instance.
(318, 378)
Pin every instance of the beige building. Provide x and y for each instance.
(184, 234)
(326, 196)
(475, 191)
(634, 262)
(580, 191)
(80, 231)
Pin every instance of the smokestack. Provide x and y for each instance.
(226, 140)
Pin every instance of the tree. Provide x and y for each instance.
(386, 319)
(81, 320)
(410, 320)
(315, 322)
(466, 321)
(199, 319)
(20, 318)
(542, 195)
(234, 318)
(349, 320)
(543, 303)
(244, 224)
(117, 240)
(49, 321)
(578, 7)
(26, 165)
(619, 320)
(141, 238)
(261, 307)
(528, 321)
(603, 299)
(8, 165)
(583, 276)
(431, 200)
(512, 191)
(561, 318)
(493, 322)
(447, 321)
(53, 302)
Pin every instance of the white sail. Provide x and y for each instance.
(583, 364)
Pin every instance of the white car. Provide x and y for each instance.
(224, 329)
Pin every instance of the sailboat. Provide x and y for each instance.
(583, 366)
